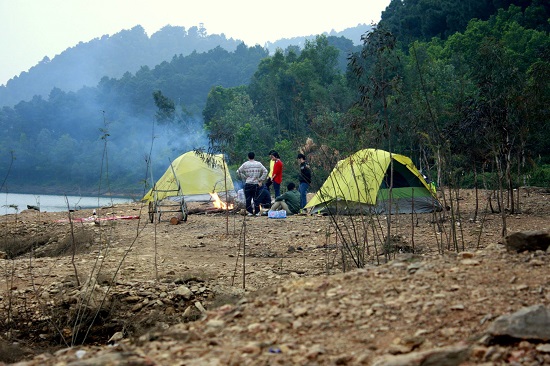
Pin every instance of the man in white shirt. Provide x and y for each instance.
(254, 174)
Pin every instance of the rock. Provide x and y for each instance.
(413, 267)
(396, 349)
(544, 348)
(216, 324)
(528, 323)
(466, 255)
(131, 299)
(448, 356)
(200, 307)
(527, 240)
(470, 262)
(251, 348)
(183, 291)
(116, 337)
(314, 351)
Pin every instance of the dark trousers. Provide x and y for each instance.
(251, 193)
(303, 193)
(277, 189)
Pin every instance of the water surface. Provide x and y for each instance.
(16, 202)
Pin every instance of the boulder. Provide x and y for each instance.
(527, 240)
(531, 323)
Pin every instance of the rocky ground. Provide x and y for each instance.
(226, 289)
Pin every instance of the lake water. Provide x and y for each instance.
(53, 203)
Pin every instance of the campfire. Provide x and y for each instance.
(214, 205)
(218, 203)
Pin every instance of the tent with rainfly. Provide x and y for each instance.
(198, 175)
(360, 184)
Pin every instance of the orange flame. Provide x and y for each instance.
(218, 203)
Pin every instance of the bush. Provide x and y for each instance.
(487, 180)
(540, 176)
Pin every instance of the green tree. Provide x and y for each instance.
(290, 90)
(265, 89)
(166, 107)
(378, 79)
(237, 129)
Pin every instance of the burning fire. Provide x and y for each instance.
(218, 203)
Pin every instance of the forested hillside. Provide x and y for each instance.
(469, 105)
(468, 101)
(127, 51)
(112, 56)
(59, 143)
(412, 20)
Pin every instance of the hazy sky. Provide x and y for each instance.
(32, 29)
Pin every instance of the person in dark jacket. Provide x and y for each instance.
(264, 197)
(304, 178)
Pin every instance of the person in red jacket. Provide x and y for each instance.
(276, 172)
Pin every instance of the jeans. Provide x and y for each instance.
(303, 193)
(251, 193)
(277, 189)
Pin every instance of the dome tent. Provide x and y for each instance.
(197, 175)
(360, 184)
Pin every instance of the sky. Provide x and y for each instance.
(33, 29)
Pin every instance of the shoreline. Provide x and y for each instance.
(79, 193)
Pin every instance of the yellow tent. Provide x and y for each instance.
(197, 175)
(360, 184)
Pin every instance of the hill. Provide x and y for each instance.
(86, 63)
(435, 305)
(354, 34)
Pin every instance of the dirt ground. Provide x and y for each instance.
(226, 289)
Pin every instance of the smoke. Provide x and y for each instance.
(141, 149)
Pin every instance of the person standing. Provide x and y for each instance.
(304, 178)
(276, 172)
(254, 174)
(288, 201)
(269, 182)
